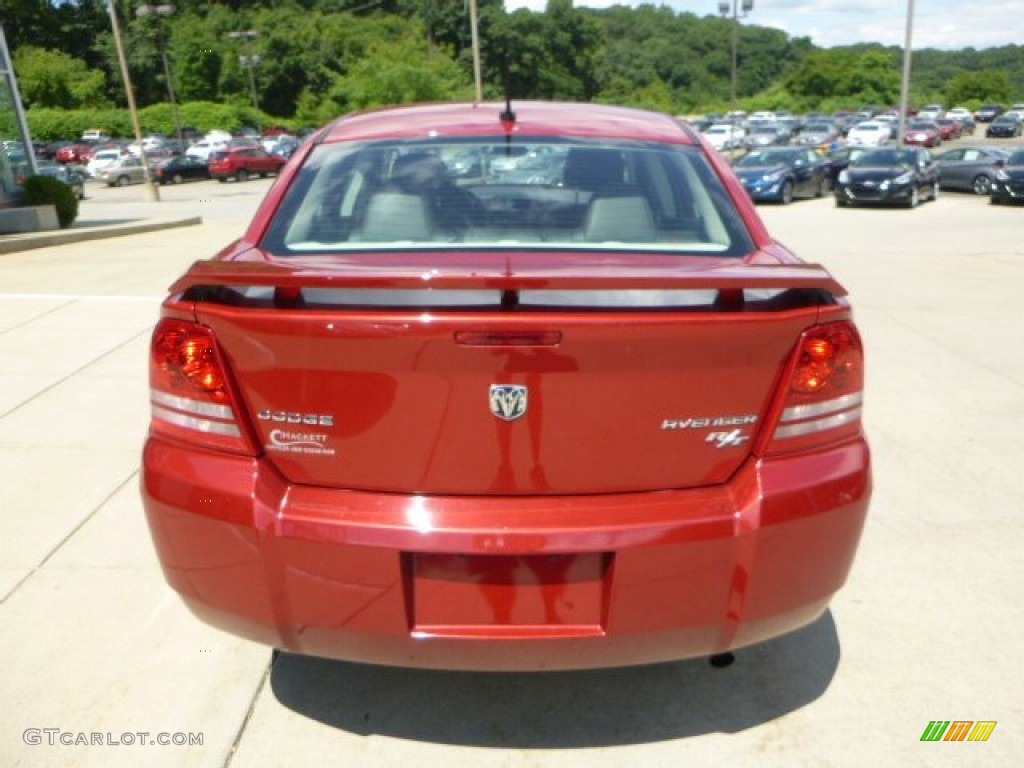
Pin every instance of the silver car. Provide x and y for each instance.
(127, 170)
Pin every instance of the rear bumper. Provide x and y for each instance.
(506, 583)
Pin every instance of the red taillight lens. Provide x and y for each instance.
(190, 395)
(824, 392)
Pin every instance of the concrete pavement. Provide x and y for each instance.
(97, 647)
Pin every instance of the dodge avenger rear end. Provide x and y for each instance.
(506, 387)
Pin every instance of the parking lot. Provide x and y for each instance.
(925, 629)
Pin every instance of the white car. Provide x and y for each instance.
(101, 159)
(204, 147)
(957, 112)
(870, 133)
(725, 136)
(931, 112)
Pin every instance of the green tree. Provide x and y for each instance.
(54, 79)
(551, 55)
(982, 86)
(400, 71)
(870, 76)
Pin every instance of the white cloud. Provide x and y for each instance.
(944, 24)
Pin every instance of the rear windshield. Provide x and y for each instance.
(496, 193)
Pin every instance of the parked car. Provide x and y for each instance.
(767, 135)
(967, 124)
(949, 128)
(73, 176)
(179, 169)
(725, 136)
(1004, 127)
(283, 145)
(605, 422)
(923, 133)
(101, 158)
(1008, 184)
(77, 153)
(239, 163)
(931, 112)
(972, 169)
(839, 159)
(95, 135)
(202, 148)
(818, 134)
(988, 112)
(123, 171)
(889, 175)
(781, 174)
(869, 133)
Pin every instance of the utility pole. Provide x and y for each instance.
(149, 188)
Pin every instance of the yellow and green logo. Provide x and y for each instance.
(958, 730)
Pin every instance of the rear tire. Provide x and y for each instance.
(176, 179)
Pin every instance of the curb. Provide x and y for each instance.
(31, 240)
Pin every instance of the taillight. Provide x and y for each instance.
(190, 395)
(824, 390)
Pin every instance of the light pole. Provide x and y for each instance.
(165, 11)
(249, 61)
(905, 84)
(737, 9)
(151, 191)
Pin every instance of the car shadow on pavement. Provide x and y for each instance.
(564, 710)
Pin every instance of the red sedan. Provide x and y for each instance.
(506, 388)
(923, 133)
(950, 129)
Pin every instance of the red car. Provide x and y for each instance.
(450, 404)
(949, 128)
(923, 133)
(239, 163)
(78, 154)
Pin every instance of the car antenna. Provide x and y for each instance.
(507, 117)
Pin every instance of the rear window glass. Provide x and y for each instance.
(499, 193)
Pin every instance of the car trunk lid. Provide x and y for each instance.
(506, 375)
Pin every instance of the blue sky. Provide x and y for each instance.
(944, 24)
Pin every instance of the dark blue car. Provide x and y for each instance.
(781, 174)
(1008, 185)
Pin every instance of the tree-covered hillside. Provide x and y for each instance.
(310, 60)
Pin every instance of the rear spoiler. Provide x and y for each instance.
(519, 274)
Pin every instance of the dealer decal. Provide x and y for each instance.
(310, 443)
